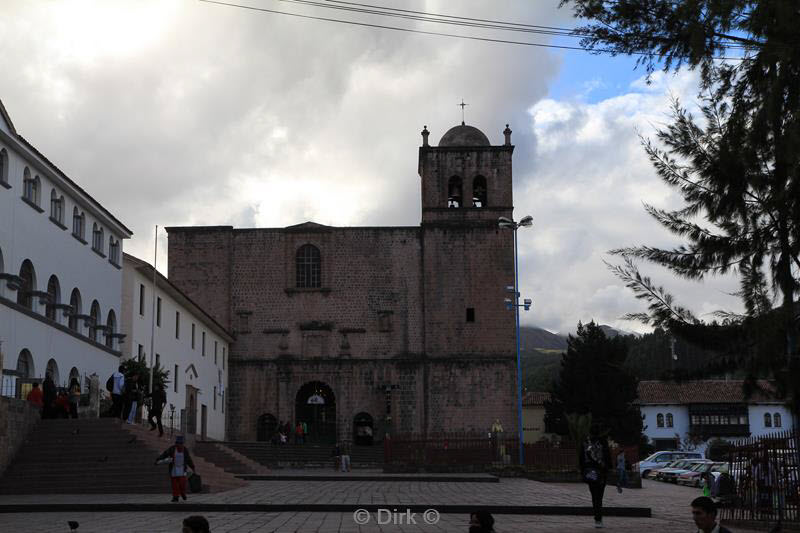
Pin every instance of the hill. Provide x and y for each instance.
(532, 338)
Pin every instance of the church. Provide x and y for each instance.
(360, 332)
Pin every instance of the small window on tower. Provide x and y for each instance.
(470, 314)
(385, 321)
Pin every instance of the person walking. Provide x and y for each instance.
(298, 433)
(178, 458)
(48, 396)
(35, 396)
(132, 393)
(117, 380)
(337, 456)
(595, 458)
(622, 477)
(74, 397)
(157, 402)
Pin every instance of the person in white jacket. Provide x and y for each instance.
(117, 388)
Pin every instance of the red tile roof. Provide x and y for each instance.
(535, 398)
(701, 391)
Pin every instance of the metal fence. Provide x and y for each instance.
(764, 484)
(470, 449)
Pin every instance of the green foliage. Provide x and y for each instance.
(593, 383)
(134, 366)
(737, 168)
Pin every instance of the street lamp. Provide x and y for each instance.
(514, 304)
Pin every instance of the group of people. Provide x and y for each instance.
(55, 402)
(127, 395)
(284, 431)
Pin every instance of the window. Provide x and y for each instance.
(193, 336)
(97, 238)
(215, 352)
(215, 398)
(223, 401)
(77, 223)
(113, 250)
(158, 359)
(470, 314)
(309, 267)
(94, 312)
(140, 353)
(4, 166)
(767, 420)
(177, 324)
(111, 328)
(479, 192)
(660, 420)
(203, 344)
(158, 311)
(31, 187)
(56, 207)
(776, 420)
(454, 194)
(669, 420)
(54, 297)
(175, 381)
(28, 275)
(223, 358)
(141, 299)
(75, 309)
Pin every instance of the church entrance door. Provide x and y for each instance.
(315, 405)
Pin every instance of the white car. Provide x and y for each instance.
(662, 458)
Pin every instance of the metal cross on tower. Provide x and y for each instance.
(462, 105)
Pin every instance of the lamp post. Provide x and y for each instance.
(507, 223)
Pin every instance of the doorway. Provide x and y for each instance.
(191, 409)
(315, 404)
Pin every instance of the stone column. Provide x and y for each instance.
(94, 396)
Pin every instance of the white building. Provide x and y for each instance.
(188, 343)
(691, 414)
(60, 272)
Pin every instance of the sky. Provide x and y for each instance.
(181, 112)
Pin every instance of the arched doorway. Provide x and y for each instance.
(315, 405)
(266, 427)
(363, 429)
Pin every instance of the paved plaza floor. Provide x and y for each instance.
(669, 504)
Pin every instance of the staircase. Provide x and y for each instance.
(305, 455)
(229, 460)
(215, 478)
(96, 456)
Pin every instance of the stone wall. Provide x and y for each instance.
(17, 419)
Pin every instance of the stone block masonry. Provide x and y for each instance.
(18, 418)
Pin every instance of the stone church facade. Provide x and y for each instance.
(360, 331)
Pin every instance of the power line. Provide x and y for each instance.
(424, 32)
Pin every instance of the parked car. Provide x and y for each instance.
(693, 477)
(671, 474)
(653, 473)
(662, 458)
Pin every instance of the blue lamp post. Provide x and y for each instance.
(514, 304)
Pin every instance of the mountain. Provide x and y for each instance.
(533, 338)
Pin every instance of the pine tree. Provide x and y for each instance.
(593, 380)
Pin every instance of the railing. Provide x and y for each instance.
(763, 483)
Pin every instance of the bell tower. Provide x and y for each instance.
(465, 179)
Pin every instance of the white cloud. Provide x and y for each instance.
(585, 191)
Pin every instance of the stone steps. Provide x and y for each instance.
(305, 456)
(103, 457)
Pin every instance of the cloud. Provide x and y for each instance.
(586, 192)
(175, 112)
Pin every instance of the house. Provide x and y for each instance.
(60, 272)
(188, 343)
(533, 416)
(691, 414)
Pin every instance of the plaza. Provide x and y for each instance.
(669, 505)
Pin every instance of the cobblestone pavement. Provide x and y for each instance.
(670, 505)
